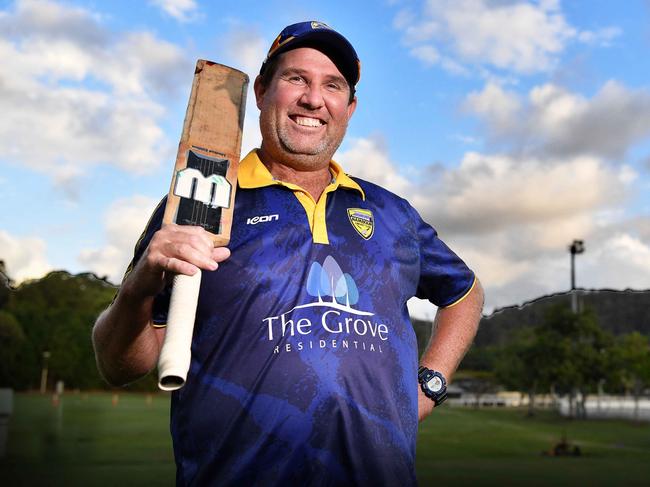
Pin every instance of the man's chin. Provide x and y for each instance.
(306, 149)
(306, 157)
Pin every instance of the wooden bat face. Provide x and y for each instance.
(203, 186)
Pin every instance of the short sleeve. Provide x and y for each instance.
(444, 278)
(161, 301)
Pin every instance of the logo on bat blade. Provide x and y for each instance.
(213, 190)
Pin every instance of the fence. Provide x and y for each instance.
(606, 406)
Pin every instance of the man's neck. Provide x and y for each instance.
(314, 181)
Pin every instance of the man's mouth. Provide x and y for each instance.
(307, 121)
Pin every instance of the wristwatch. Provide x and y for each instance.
(433, 384)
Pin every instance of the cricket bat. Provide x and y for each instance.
(202, 192)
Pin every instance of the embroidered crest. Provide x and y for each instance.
(362, 221)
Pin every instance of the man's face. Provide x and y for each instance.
(305, 109)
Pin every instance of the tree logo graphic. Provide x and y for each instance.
(328, 282)
(332, 287)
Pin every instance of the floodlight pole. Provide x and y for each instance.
(577, 247)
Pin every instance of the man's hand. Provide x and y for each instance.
(425, 405)
(126, 346)
(174, 249)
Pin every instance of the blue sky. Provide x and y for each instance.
(514, 127)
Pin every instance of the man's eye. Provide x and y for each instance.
(296, 79)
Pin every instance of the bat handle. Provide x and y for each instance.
(175, 355)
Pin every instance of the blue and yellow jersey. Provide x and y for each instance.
(304, 361)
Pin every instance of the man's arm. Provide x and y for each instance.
(453, 331)
(126, 344)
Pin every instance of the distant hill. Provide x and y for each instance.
(619, 312)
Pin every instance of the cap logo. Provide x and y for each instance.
(320, 25)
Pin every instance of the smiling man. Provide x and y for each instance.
(304, 362)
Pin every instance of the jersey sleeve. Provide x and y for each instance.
(444, 278)
(161, 301)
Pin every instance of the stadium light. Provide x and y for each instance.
(577, 247)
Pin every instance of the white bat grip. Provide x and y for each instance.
(175, 355)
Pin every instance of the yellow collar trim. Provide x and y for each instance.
(254, 174)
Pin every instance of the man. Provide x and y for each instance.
(304, 362)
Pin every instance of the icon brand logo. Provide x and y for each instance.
(261, 219)
(362, 221)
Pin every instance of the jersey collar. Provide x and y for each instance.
(254, 174)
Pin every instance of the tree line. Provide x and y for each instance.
(47, 323)
(565, 354)
(562, 354)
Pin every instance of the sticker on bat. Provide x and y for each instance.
(212, 190)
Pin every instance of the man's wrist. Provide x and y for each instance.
(433, 384)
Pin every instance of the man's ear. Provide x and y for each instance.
(260, 91)
(351, 107)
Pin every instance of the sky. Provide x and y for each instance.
(513, 127)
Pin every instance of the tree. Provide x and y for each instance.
(578, 348)
(5, 285)
(12, 339)
(56, 314)
(630, 365)
(481, 358)
(565, 352)
(523, 364)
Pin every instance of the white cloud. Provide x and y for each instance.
(124, 222)
(369, 160)
(488, 193)
(421, 309)
(499, 107)
(603, 37)
(619, 262)
(245, 49)
(76, 94)
(427, 54)
(554, 121)
(524, 37)
(181, 10)
(24, 257)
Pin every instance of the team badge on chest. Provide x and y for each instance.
(362, 221)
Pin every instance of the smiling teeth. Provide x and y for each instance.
(308, 122)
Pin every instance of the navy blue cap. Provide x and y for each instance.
(322, 37)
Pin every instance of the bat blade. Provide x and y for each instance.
(202, 192)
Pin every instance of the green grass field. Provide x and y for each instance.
(87, 441)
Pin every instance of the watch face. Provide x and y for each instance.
(434, 384)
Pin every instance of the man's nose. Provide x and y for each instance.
(312, 97)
